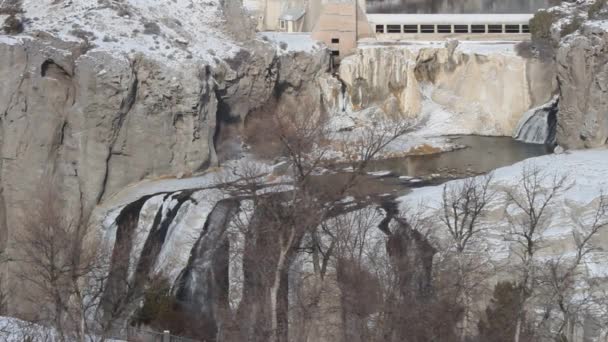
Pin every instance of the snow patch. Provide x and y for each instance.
(168, 31)
(292, 42)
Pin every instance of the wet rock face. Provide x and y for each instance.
(582, 61)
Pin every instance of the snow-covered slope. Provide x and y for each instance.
(586, 171)
(170, 31)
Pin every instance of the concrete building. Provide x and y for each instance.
(284, 15)
(338, 23)
(341, 24)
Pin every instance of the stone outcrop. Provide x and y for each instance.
(487, 92)
(94, 121)
(94, 115)
(575, 35)
(582, 71)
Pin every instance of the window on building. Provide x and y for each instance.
(335, 53)
(335, 40)
(461, 28)
(444, 28)
(282, 24)
(410, 28)
(525, 29)
(427, 28)
(379, 28)
(512, 28)
(393, 28)
(478, 28)
(495, 28)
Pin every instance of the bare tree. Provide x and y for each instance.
(281, 221)
(561, 277)
(64, 266)
(527, 211)
(463, 208)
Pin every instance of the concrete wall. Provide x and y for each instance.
(337, 21)
(341, 21)
(272, 14)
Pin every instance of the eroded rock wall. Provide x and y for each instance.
(582, 65)
(94, 122)
(486, 92)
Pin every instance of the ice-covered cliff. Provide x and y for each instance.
(466, 88)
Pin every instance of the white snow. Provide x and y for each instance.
(487, 47)
(586, 169)
(189, 30)
(8, 40)
(251, 5)
(380, 173)
(601, 24)
(16, 330)
(292, 42)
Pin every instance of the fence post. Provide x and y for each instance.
(166, 336)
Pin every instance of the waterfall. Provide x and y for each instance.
(537, 126)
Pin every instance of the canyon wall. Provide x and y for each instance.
(94, 114)
(582, 61)
(480, 89)
(579, 34)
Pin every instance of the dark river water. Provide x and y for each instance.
(395, 176)
(458, 6)
(482, 154)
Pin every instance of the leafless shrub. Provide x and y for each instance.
(63, 266)
(562, 281)
(463, 209)
(280, 222)
(528, 212)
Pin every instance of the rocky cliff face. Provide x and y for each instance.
(582, 71)
(94, 121)
(476, 89)
(96, 95)
(583, 74)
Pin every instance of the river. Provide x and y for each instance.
(479, 155)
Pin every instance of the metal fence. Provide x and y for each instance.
(140, 335)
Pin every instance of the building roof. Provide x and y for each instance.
(448, 19)
(292, 14)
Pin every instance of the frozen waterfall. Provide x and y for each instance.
(537, 126)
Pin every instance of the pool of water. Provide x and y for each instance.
(394, 177)
(480, 155)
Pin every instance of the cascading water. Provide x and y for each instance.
(538, 125)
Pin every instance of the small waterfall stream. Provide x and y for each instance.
(537, 126)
